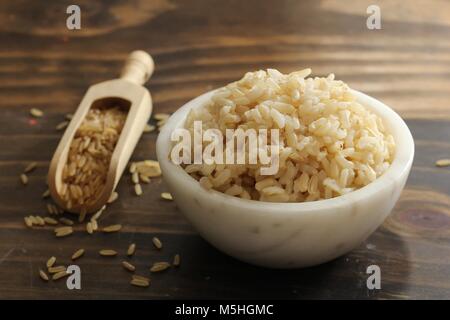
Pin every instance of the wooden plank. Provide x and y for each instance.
(199, 45)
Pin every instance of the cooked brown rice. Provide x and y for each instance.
(330, 144)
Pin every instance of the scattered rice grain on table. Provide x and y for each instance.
(50, 209)
(62, 125)
(43, 275)
(161, 116)
(46, 194)
(108, 253)
(112, 228)
(28, 222)
(40, 221)
(51, 262)
(30, 167)
(139, 283)
(160, 266)
(135, 177)
(149, 128)
(89, 228)
(37, 113)
(176, 260)
(443, 163)
(144, 179)
(148, 168)
(131, 249)
(66, 221)
(50, 221)
(63, 231)
(56, 269)
(82, 215)
(139, 277)
(94, 225)
(133, 167)
(157, 243)
(166, 196)
(60, 275)
(128, 266)
(138, 189)
(97, 215)
(24, 179)
(77, 254)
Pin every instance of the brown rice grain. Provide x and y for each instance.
(56, 269)
(30, 167)
(24, 179)
(176, 260)
(82, 215)
(144, 178)
(63, 231)
(157, 243)
(37, 113)
(166, 196)
(50, 221)
(60, 275)
(51, 262)
(112, 228)
(160, 266)
(131, 249)
(128, 266)
(62, 125)
(138, 277)
(138, 189)
(108, 253)
(161, 116)
(97, 215)
(33, 220)
(77, 254)
(139, 283)
(149, 128)
(66, 221)
(50, 209)
(89, 228)
(43, 275)
(40, 220)
(161, 124)
(443, 163)
(46, 194)
(149, 168)
(28, 222)
(135, 178)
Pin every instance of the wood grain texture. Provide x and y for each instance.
(199, 45)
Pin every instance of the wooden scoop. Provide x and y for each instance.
(126, 92)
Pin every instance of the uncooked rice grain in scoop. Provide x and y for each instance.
(85, 172)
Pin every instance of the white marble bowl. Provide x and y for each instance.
(288, 235)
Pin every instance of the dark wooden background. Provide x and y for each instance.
(199, 45)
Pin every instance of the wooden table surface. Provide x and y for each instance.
(199, 45)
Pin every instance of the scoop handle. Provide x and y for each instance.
(138, 67)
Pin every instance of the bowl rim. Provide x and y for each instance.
(404, 155)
